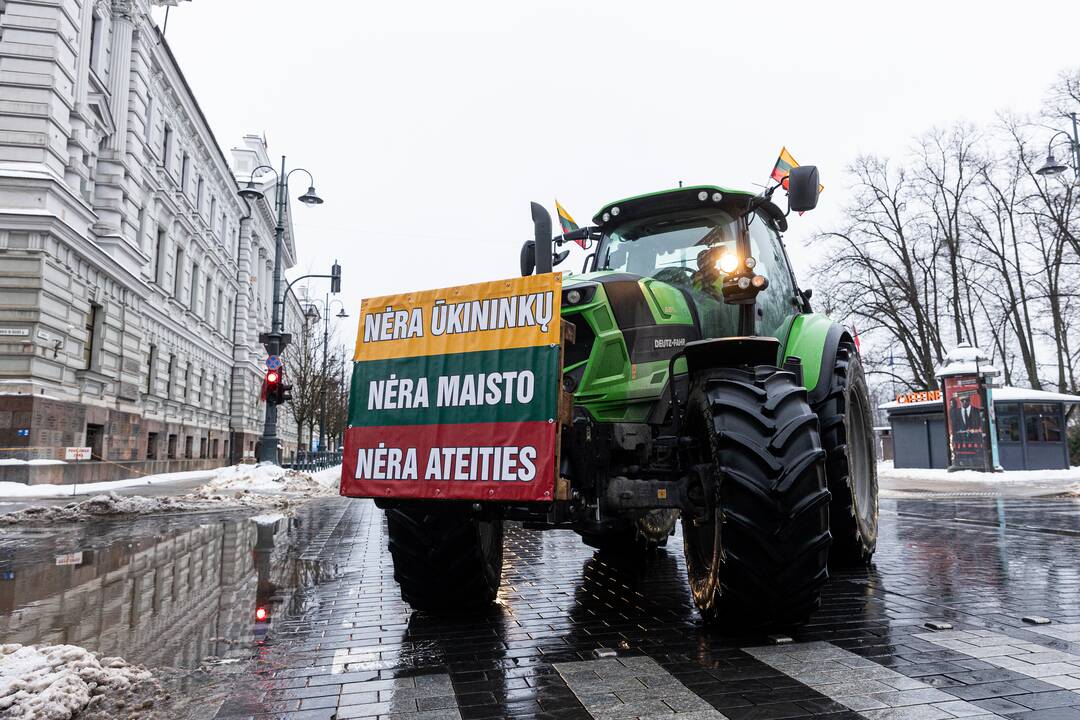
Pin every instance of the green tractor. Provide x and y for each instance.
(705, 388)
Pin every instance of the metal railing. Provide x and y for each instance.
(304, 460)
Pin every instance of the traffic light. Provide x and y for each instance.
(335, 278)
(284, 393)
(271, 387)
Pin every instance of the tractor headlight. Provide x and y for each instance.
(759, 282)
(717, 197)
(744, 283)
(727, 263)
(573, 297)
(703, 196)
(606, 217)
(578, 295)
(615, 211)
(750, 263)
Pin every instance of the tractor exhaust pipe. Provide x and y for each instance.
(542, 234)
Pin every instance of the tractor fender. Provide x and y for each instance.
(814, 340)
(702, 355)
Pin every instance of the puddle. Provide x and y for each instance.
(190, 596)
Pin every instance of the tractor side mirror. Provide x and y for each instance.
(559, 257)
(528, 258)
(541, 238)
(803, 187)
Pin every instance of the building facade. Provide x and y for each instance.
(133, 279)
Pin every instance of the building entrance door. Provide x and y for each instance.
(95, 440)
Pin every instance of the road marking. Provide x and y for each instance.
(616, 688)
(1050, 666)
(874, 691)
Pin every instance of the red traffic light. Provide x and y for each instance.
(261, 614)
(272, 377)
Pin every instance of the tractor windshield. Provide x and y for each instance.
(696, 251)
(672, 248)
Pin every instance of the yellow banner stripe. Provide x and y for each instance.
(466, 318)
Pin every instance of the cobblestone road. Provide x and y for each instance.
(354, 650)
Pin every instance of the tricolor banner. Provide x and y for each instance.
(455, 393)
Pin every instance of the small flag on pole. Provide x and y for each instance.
(567, 223)
(783, 166)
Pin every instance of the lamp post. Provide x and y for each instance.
(1052, 166)
(328, 305)
(268, 446)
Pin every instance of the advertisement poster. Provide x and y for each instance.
(455, 393)
(968, 424)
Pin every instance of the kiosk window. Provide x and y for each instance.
(1042, 422)
(1008, 422)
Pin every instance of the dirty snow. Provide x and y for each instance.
(56, 682)
(263, 486)
(887, 471)
(21, 490)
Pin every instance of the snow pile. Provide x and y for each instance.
(16, 461)
(886, 471)
(263, 486)
(20, 490)
(56, 682)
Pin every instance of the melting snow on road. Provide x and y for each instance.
(238, 486)
(56, 682)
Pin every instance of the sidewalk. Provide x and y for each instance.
(900, 482)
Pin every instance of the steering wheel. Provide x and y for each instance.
(675, 275)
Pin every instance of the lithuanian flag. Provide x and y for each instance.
(566, 222)
(783, 166)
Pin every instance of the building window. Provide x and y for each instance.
(196, 387)
(214, 448)
(172, 447)
(151, 446)
(187, 383)
(213, 212)
(1042, 422)
(169, 379)
(1008, 422)
(187, 447)
(228, 319)
(202, 448)
(193, 304)
(151, 361)
(198, 197)
(221, 310)
(178, 277)
(95, 43)
(185, 170)
(208, 302)
(159, 256)
(93, 330)
(166, 147)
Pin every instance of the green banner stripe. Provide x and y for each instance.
(492, 386)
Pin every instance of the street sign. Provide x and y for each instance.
(77, 453)
(273, 362)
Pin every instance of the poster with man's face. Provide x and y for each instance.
(967, 423)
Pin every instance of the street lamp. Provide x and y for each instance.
(268, 446)
(328, 305)
(1052, 167)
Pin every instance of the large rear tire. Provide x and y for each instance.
(760, 558)
(847, 435)
(445, 558)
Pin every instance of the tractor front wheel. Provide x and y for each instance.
(759, 555)
(847, 434)
(445, 557)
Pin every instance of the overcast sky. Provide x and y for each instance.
(429, 126)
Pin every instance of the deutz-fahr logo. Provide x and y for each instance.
(662, 343)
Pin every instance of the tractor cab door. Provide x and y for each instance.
(779, 302)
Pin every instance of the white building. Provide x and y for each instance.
(133, 279)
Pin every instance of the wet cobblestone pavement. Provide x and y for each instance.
(575, 634)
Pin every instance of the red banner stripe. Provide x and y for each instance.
(475, 461)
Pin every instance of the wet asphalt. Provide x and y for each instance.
(575, 634)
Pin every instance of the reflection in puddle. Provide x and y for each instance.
(161, 592)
